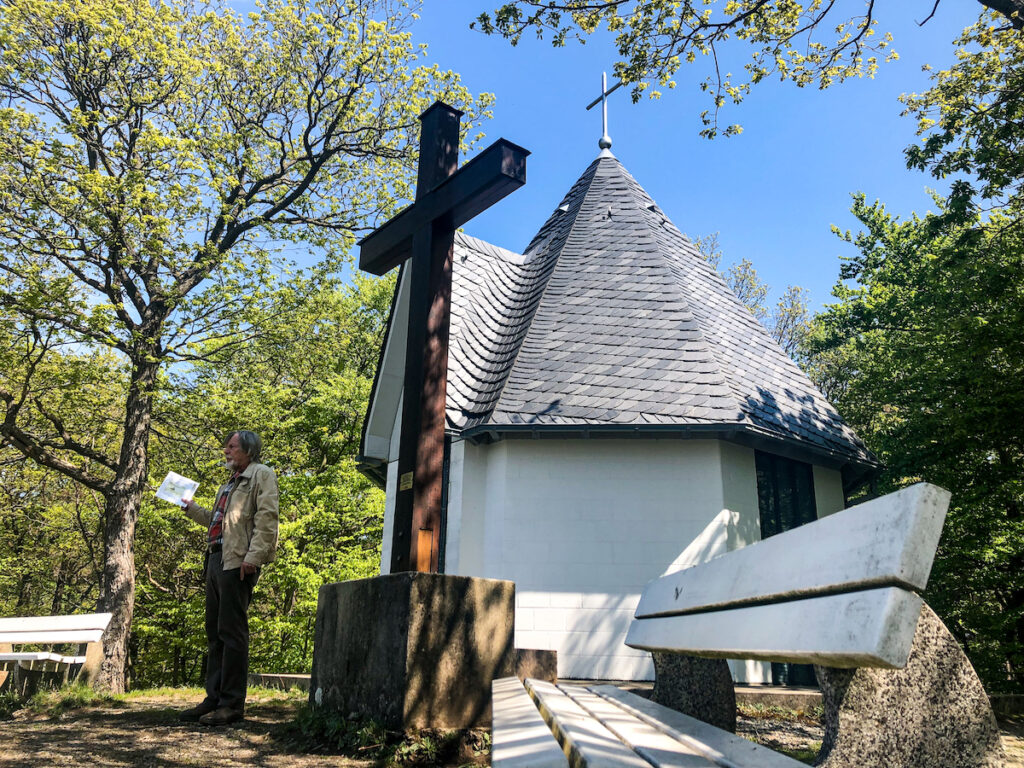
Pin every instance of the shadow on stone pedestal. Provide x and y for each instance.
(538, 664)
(934, 712)
(700, 688)
(413, 650)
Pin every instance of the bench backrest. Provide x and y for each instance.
(838, 591)
(83, 628)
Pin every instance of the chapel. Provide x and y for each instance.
(613, 412)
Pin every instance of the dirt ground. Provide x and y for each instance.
(801, 735)
(143, 732)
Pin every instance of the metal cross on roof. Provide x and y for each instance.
(606, 141)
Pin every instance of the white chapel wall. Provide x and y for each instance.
(828, 491)
(391, 489)
(582, 525)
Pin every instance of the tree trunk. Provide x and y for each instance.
(121, 511)
(1011, 9)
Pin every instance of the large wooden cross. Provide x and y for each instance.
(446, 198)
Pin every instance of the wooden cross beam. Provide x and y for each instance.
(424, 233)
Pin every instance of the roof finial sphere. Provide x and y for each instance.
(605, 142)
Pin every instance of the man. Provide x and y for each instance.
(241, 537)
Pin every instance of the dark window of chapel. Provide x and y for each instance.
(785, 493)
(785, 500)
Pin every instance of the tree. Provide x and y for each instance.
(151, 154)
(302, 384)
(922, 352)
(786, 321)
(970, 121)
(927, 343)
(810, 42)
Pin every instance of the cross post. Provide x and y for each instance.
(424, 234)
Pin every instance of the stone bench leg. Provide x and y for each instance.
(93, 659)
(700, 688)
(934, 712)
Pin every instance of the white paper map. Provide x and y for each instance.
(175, 487)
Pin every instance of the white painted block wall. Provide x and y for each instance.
(582, 525)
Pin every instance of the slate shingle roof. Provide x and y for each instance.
(611, 317)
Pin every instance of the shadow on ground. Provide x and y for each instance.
(146, 733)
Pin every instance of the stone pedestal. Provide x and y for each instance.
(413, 650)
(540, 665)
(933, 712)
(700, 688)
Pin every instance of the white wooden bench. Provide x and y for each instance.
(839, 592)
(84, 631)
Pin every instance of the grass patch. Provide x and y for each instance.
(278, 694)
(56, 702)
(164, 690)
(785, 714)
(75, 696)
(806, 754)
(324, 732)
(10, 702)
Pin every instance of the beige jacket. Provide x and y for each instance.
(250, 518)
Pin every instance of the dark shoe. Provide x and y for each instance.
(192, 715)
(221, 716)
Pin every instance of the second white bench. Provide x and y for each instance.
(83, 631)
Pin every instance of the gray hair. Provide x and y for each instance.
(249, 442)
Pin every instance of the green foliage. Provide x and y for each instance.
(809, 43)
(786, 321)
(50, 526)
(10, 703)
(155, 158)
(927, 344)
(302, 383)
(922, 353)
(970, 122)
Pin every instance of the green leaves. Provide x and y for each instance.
(923, 356)
(972, 123)
(795, 41)
(155, 160)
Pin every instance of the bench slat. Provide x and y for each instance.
(84, 621)
(586, 741)
(655, 746)
(31, 656)
(887, 541)
(720, 747)
(53, 636)
(520, 737)
(871, 628)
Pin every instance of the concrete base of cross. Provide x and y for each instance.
(413, 650)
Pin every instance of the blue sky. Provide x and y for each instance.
(771, 193)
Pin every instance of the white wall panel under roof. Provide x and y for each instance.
(582, 526)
